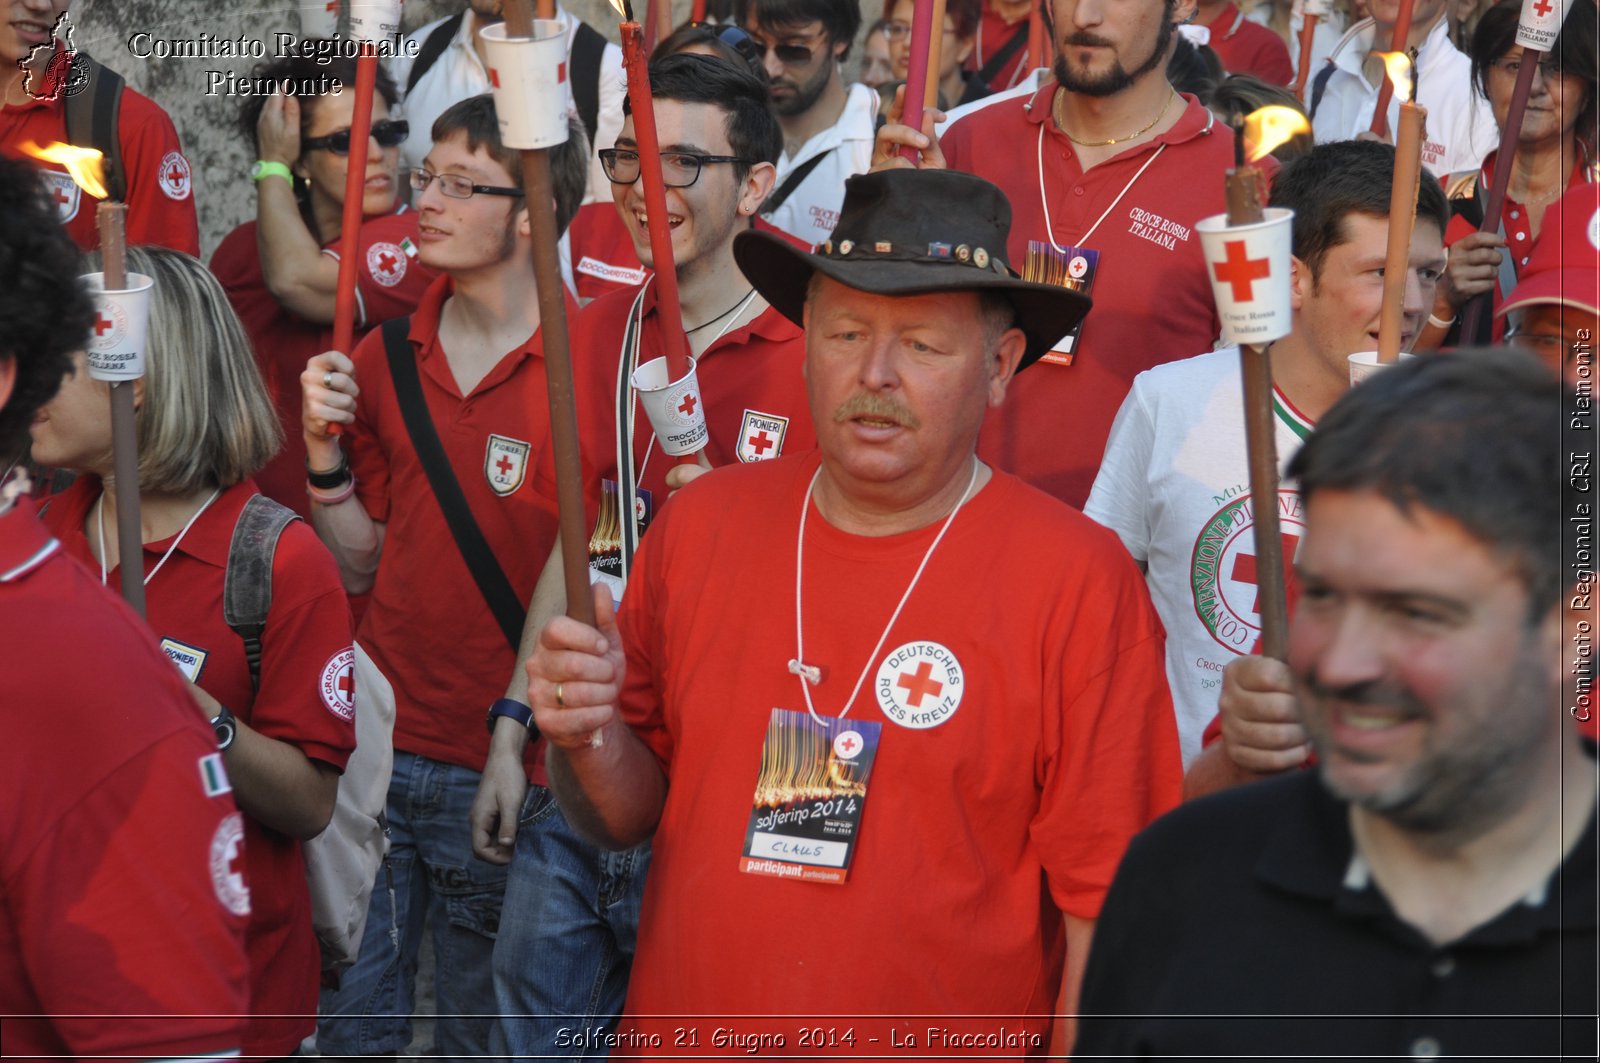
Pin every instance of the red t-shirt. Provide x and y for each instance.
(993, 33)
(1247, 47)
(750, 380)
(389, 282)
(306, 698)
(977, 830)
(1152, 299)
(427, 627)
(122, 901)
(160, 182)
(603, 258)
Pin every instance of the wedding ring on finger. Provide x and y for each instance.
(327, 379)
(561, 701)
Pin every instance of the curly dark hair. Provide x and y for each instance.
(45, 313)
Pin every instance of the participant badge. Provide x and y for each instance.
(1068, 267)
(810, 797)
(605, 545)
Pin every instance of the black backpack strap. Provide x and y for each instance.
(247, 581)
(1319, 85)
(588, 49)
(91, 118)
(509, 612)
(990, 70)
(795, 179)
(433, 46)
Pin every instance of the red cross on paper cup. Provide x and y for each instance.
(117, 334)
(675, 408)
(1540, 22)
(1249, 270)
(528, 76)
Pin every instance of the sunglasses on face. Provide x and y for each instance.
(679, 169)
(388, 133)
(455, 185)
(788, 54)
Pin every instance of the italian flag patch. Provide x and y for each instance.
(213, 776)
(408, 247)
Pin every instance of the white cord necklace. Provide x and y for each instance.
(100, 527)
(1044, 200)
(810, 674)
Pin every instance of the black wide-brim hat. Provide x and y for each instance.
(914, 232)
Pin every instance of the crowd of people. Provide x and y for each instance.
(1016, 613)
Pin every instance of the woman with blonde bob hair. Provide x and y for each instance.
(280, 699)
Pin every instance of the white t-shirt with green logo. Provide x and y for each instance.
(1175, 487)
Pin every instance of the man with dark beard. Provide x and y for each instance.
(827, 128)
(1107, 168)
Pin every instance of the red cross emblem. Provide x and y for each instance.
(848, 743)
(387, 262)
(1543, 8)
(102, 325)
(1244, 568)
(686, 407)
(494, 77)
(175, 175)
(504, 465)
(347, 685)
(61, 195)
(1241, 271)
(760, 442)
(332, 7)
(919, 684)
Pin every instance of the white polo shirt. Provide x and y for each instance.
(812, 210)
(1460, 128)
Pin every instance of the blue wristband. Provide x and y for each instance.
(512, 708)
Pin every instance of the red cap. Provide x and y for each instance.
(1564, 266)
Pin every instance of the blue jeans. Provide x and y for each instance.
(435, 877)
(566, 940)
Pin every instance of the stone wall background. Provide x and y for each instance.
(207, 125)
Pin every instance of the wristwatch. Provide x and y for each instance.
(226, 727)
(263, 168)
(512, 708)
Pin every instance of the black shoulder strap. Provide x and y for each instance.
(91, 116)
(1319, 85)
(795, 179)
(588, 49)
(247, 581)
(997, 62)
(433, 46)
(491, 579)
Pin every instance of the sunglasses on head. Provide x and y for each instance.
(388, 133)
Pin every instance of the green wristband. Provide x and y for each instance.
(263, 169)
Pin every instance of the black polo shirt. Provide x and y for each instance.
(1236, 927)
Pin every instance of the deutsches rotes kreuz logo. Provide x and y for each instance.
(505, 463)
(1222, 570)
(919, 685)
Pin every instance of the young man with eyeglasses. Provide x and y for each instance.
(281, 270)
(435, 648)
(565, 948)
(827, 128)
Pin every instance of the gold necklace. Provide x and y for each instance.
(1061, 125)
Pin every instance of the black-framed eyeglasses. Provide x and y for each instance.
(455, 185)
(1548, 68)
(389, 133)
(679, 169)
(789, 54)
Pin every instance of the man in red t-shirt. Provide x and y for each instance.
(476, 349)
(1000, 56)
(986, 746)
(122, 897)
(1244, 47)
(1107, 169)
(33, 111)
(749, 369)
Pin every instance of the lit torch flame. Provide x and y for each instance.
(84, 165)
(1401, 74)
(624, 9)
(1268, 128)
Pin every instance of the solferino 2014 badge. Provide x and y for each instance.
(810, 796)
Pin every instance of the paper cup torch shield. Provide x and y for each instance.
(1249, 270)
(117, 336)
(1540, 23)
(375, 20)
(675, 408)
(528, 76)
(319, 18)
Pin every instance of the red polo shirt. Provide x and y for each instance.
(993, 33)
(427, 627)
(750, 380)
(306, 698)
(160, 182)
(603, 258)
(1247, 47)
(1152, 300)
(389, 282)
(117, 867)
